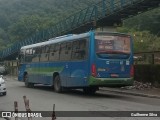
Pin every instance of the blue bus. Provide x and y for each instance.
(85, 61)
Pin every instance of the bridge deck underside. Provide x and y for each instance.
(118, 15)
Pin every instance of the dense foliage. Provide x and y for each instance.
(145, 29)
(22, 18)
(19, 19)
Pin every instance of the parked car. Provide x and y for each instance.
(2, 86)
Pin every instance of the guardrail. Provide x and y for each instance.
(152, 57)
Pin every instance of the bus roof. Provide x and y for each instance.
(58, 39)
(67, 38)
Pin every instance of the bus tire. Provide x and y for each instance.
(57, 84)
(26, 80)
(90, 90)
(31, 85)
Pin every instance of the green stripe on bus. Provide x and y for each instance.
(44, 70)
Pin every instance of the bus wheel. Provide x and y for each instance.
(28, 84)
(90, 90)
(57, 84)
(26, 80)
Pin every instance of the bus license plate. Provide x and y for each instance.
(114, 75)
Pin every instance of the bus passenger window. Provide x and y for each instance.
(36, 54)
(51, 48)
(43, 49)
(75, 47)
(65, 53)
(47, 49)
(28, 55)
(83, 48)
(68, 51)
(62, 51)
(44, 54)
(54, 52)
(79, 50)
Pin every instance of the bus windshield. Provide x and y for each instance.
(110, 47)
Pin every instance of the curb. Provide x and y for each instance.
(130, 93)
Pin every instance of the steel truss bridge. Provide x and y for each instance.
(103, 13)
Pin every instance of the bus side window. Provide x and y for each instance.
(28, 55)
(36, 53)
(65, 53)
(54, 52)
(68, 50)
(44, 54)
(62, 51)
(38, 50)
(47, 48)
(79, 50)
(83, 48)
(51, 48)
(21, 56)
(75, 47)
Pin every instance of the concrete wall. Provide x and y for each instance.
(12, 67)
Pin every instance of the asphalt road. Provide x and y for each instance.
(42, 98)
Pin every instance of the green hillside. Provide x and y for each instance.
(19, 19)
(145, 29)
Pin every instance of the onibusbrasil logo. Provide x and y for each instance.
(23, 114)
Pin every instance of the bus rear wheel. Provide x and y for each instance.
(57, 84)
(90, 90)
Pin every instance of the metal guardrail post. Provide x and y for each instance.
(16, 109)
(53, 114)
